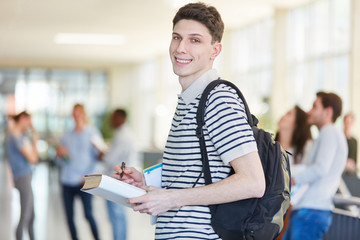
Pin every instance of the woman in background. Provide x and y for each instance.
(294, 136)
(21, 154)
(79, 158)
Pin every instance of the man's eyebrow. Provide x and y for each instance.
(191, 34)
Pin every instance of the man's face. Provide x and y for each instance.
(317, 113)
(116, 120)
(348, 121)
(191, 49)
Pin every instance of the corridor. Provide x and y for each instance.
(50, 223)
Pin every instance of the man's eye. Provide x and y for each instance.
(195, 40)
(176, 37)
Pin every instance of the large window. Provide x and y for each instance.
(251, 64)
(318, 51)
(49, 95)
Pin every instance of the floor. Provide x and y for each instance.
(50, 221)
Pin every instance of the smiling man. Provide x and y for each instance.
(182, 209)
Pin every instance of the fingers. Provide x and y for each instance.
(117, 168)
(148, 188)
(116, 176)
(142, 206)
(127, 170)
(125, 178)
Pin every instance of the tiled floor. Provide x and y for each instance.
(50, 221)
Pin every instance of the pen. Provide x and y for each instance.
(122, 169)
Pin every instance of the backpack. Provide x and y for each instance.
(255, 218)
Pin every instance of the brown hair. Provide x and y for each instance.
(204, 14)
(301, 134)
(120, 112)
(331, 100)
(20, 115)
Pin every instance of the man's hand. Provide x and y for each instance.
(131, 176)
(61, 151)
(156, 201)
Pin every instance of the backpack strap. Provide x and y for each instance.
(200, 119)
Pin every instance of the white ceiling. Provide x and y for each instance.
(28, 27)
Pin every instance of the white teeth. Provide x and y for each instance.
(183, 61)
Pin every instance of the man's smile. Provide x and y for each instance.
(182, 61)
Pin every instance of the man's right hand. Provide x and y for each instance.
(131, 176)
(61, 151)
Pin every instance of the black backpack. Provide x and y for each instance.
(255, 218)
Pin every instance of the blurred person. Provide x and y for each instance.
(182, 210)
(311, 216)
(21, 154)
(78, 157)
(294, 135)
(352, 144)
(122, 149)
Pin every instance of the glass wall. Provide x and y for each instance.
(49, 95)
(318, 51)
(251, 64)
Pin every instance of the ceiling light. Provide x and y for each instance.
(88, 39)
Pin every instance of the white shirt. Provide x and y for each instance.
(324, 167)
(123, 149)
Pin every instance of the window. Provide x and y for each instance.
(318, 51)
(251, 64)
(49, 95)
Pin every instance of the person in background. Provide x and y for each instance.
(21, 153)
(311, 217)
(294, 136)
(78, 158)
(352, 144)
(122, 149)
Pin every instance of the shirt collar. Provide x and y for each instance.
(198, 86)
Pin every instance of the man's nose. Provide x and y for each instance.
(181, 48)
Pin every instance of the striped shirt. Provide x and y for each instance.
(227, 135)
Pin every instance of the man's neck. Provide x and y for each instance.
(347, 132)
(187, 81)
(324, 124)
(16, 130)
(79, 126)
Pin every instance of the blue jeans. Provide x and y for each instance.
(69, 194)
(308, 224)
(117, 218)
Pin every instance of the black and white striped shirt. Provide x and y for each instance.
(227, 135)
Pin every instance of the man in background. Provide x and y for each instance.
(122, 149)
(352, 144)
(311, 216)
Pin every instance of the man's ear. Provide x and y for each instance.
(329, 113)
(216, 50)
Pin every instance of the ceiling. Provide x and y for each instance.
(28, 27)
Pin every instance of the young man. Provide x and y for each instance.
(311, 216)
(182, 209)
